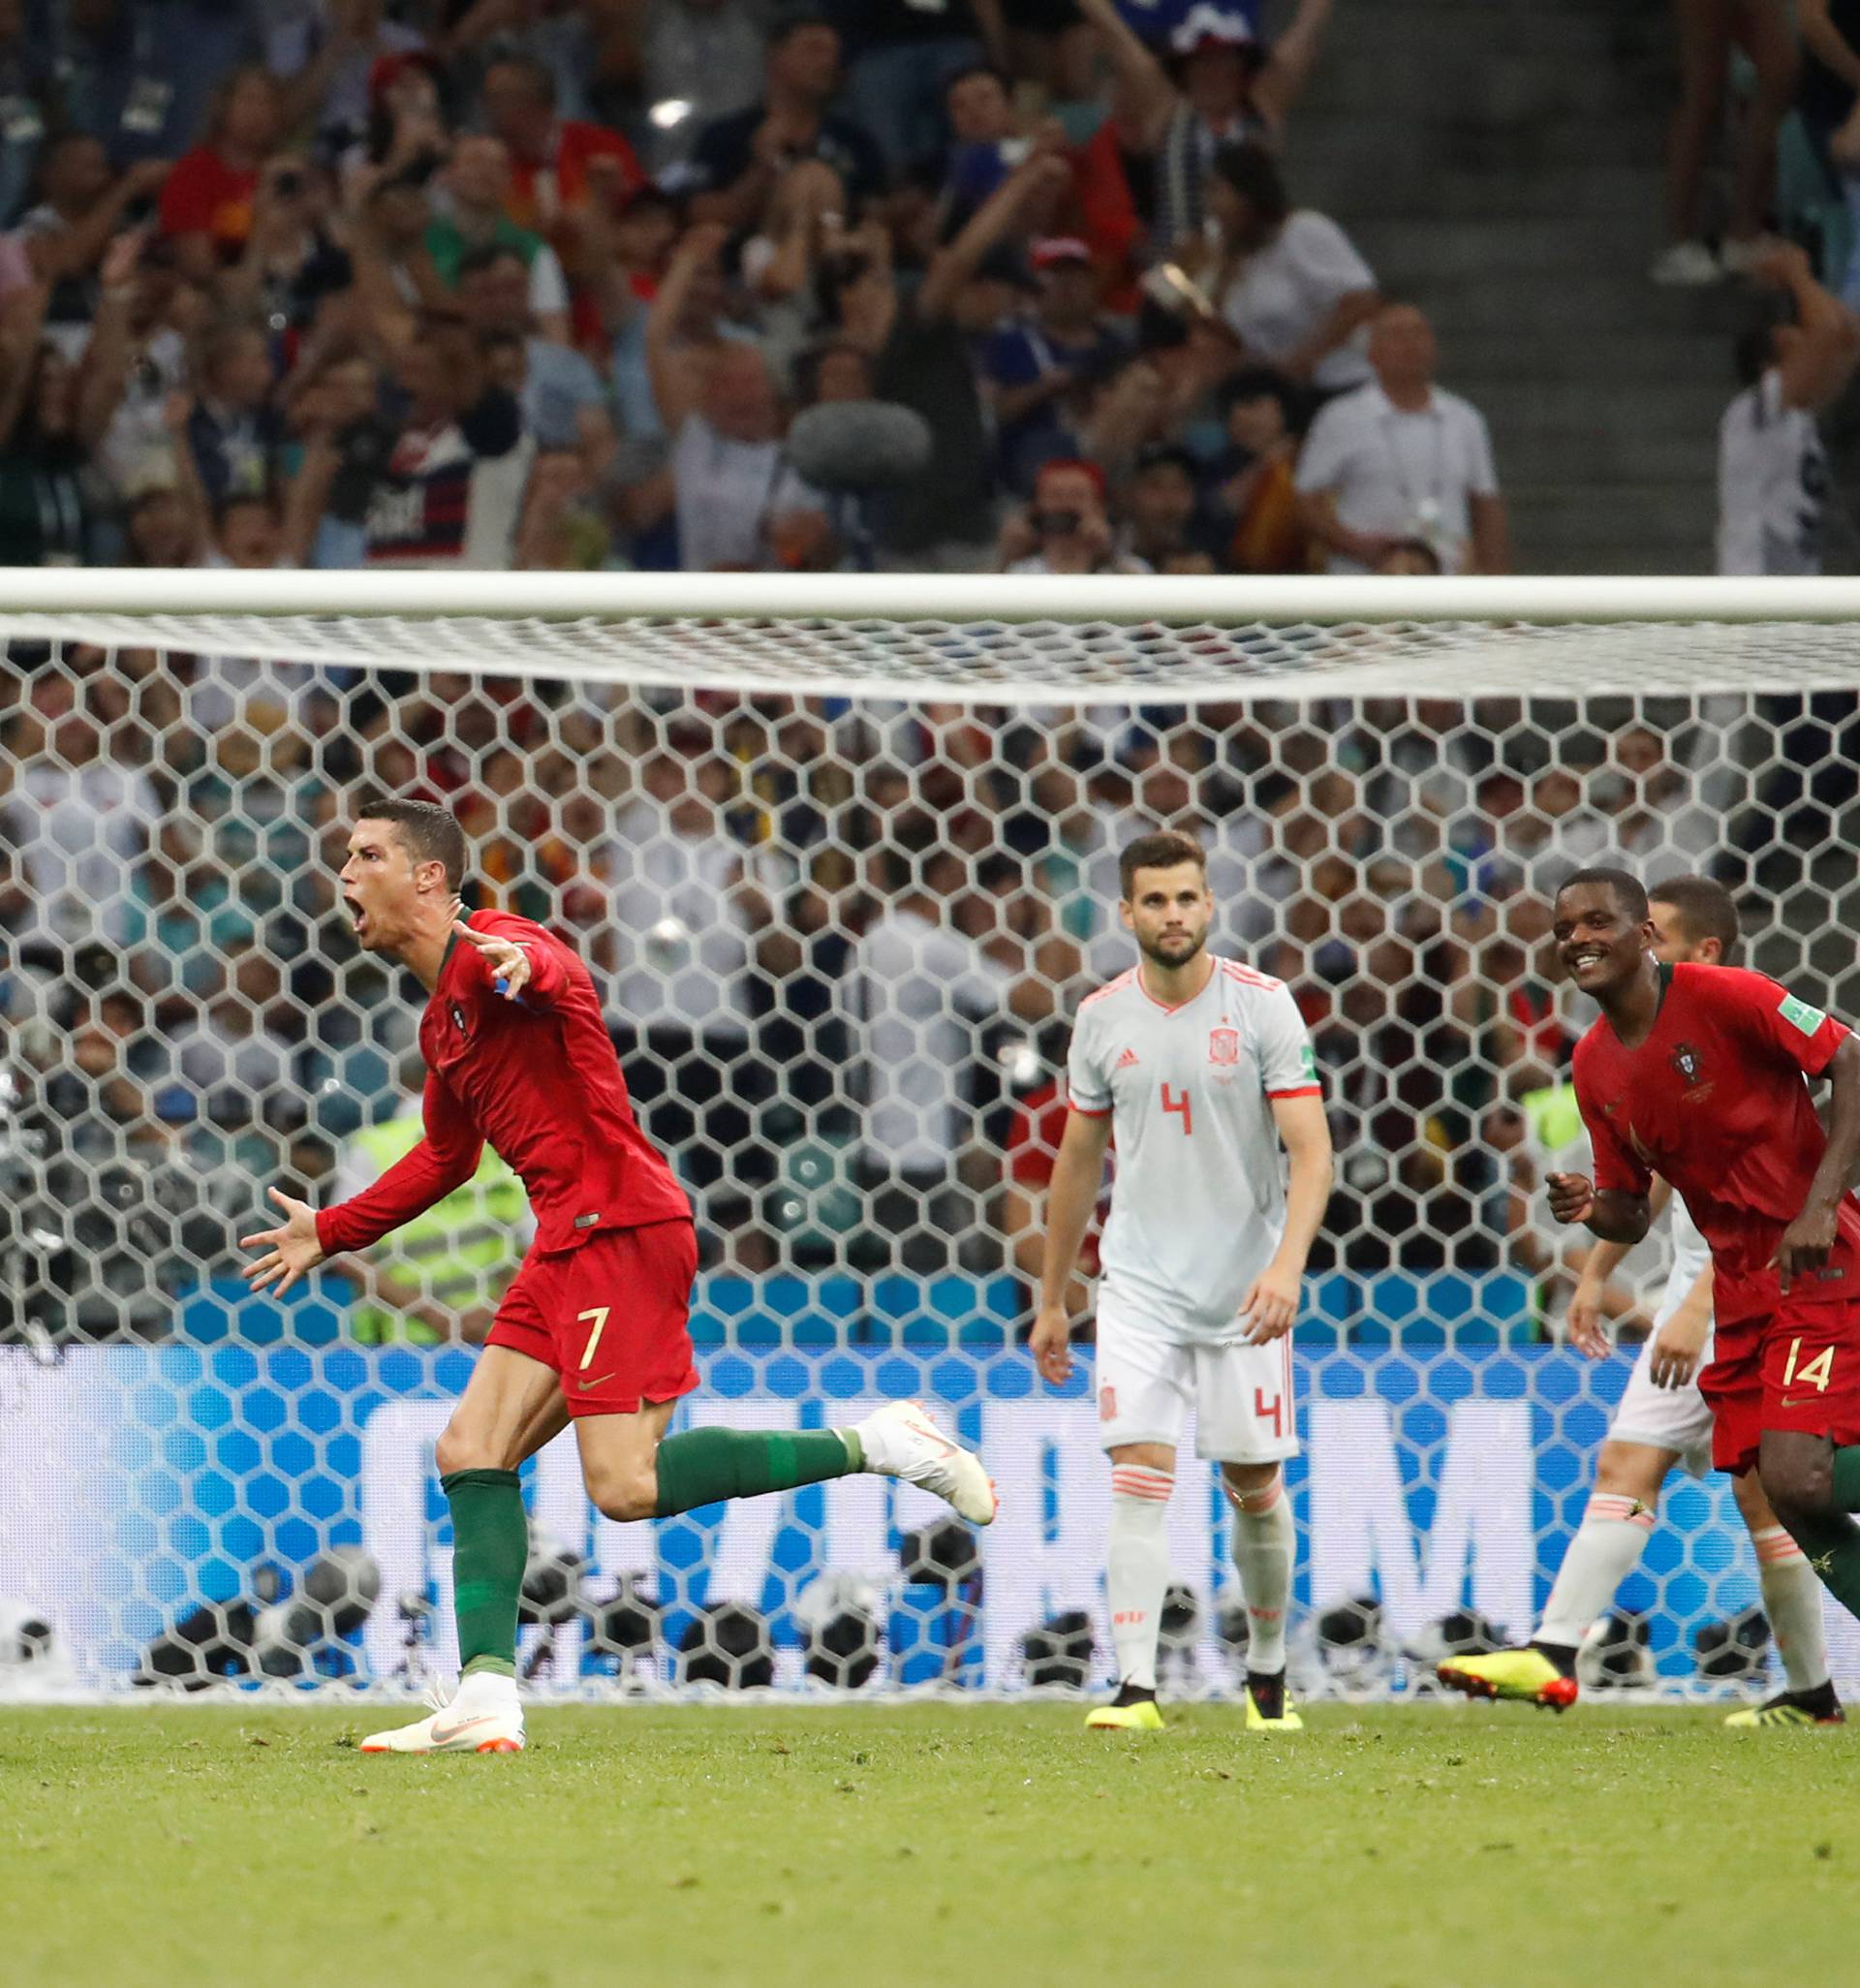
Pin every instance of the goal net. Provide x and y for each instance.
(842, 856)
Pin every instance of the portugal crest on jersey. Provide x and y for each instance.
(458, 1015)
(1686, 1062)
(1224, 1046)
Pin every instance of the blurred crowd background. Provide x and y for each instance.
(549, 284)
(839, 945)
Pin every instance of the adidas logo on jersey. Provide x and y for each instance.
(1127, 1061)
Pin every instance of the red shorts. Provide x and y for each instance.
(610, 1318)
(1796, 1368)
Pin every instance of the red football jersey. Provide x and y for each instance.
(538, 1078)
(1715, 1101)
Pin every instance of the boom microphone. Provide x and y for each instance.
(844, 445)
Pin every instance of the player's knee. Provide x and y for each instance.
(461, 1447)
(1632, 1469)
(1798, 1483)
(1253, 1487)
(623, 1492)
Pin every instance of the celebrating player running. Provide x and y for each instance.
(1697, 1073)
(1200, 1067)
(1663, 1420)
(593, 1328)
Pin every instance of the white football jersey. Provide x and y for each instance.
(1691, 1253)
(1199, 1202)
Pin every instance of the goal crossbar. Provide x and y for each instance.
(1002, 639)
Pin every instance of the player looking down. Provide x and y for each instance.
(592, 1329)
(1200, 1068)
(1696, 1073)
(1664, 1420)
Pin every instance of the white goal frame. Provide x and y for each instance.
(1348, 636)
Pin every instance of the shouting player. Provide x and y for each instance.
(1199, 1066)
(1696, 1074)
(592, 1329)
(1664, 1420)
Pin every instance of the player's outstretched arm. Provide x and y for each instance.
(1808, 1240)
(290, 1250)
(1270, 1306)
(1078, 1174)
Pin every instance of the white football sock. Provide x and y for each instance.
(1137, 1571)
(1608, 1543)
(485, 1690)
(1264, 1544)
(1793, 1600)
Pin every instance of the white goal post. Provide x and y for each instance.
(841, 853)
(1185, 638)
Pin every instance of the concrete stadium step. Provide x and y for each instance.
(1498, 162)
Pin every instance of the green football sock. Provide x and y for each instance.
(490, 1547)
(1832, 1544)
(1846, 1477)
(703, 1465)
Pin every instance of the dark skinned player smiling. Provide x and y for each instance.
(1698, 1073)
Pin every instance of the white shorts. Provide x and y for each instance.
(1245, 1410)
(1676, 1419)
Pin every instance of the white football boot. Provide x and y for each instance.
(484, 1715)
(901, 1440)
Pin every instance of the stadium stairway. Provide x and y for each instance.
(1498, 161)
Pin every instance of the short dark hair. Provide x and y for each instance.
(1162, 850)
(1253, 174)
(1706, 910)
(988, 68)
(431, 834)
(1628, 890)
(486, 256)
(539, 75)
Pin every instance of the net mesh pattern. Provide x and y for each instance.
(1024, 662)
(842, 887)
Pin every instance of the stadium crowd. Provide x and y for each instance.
(547, 284)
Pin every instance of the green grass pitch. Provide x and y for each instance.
(977, 1846)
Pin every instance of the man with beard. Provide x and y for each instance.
(1202, 1068)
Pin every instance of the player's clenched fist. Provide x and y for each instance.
(508, 960)
(1573, 1195)
(1051, 1343)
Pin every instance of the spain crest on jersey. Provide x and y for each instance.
(1224, 1046)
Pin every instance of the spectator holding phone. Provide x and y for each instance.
(1066, 529)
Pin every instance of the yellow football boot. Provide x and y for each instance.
(1525, 1675)
(1128, 1712)
(1269, 1706)
(1784, 1709)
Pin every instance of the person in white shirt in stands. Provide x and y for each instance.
(1203, 1069)
(1292, 287)
(1401, 459)
(1772, 471)
(740, 503)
